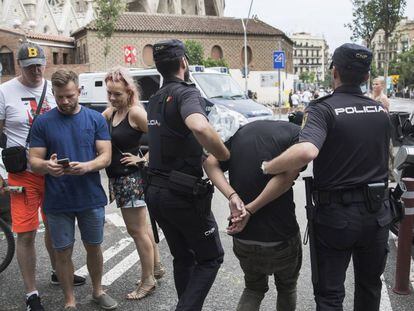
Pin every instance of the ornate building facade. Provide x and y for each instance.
(310, 53)
(62, 17)
(401, 40)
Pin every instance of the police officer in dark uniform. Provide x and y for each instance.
(178, 129)
(347, 134)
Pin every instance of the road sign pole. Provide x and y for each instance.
(279, 63)
(280, 95)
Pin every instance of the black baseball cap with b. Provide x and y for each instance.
(168, 50)
(353, 57)
(31, 54)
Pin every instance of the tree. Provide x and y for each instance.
(364, 24)
(195, 52)
(108, 12)
(210, 62)
(389, 14)
(307, 76)
(403, 66)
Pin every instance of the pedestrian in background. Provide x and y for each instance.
(341, 133)
(295, 100)
(70, 144)
(127, 123)
(267, 241)
(19, 102)
(378, 86)
(177, 198)
(306, 97)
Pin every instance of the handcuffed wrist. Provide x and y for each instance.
(231, 195)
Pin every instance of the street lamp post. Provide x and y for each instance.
(245, 47)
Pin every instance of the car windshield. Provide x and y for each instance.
(218, 86)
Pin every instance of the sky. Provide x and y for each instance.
(319, 17)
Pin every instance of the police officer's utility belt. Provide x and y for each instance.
(199, 191)
(181, 183)
(371, 194)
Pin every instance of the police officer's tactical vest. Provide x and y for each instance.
(355, 151)
(171, 146)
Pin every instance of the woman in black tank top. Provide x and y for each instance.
(127, 122)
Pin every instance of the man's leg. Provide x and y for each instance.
(332, 265)
(26, 257)
(64, 270)
(287, 264)
(369, 263)
(49, 247)
(25, 222)
(91, 225)
(194, 242)
(202, 237)
(256, 283)
(94, 262)
(62, 233)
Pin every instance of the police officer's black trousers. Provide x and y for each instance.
(194, 243)
(342, 231)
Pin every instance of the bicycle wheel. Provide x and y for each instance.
(6, 245)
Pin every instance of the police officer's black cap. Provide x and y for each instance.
(352, 56)
(168, 50)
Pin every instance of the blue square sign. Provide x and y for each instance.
(278, 60)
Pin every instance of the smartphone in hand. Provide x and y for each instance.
(64, 162)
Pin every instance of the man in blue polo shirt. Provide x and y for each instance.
(70, 144)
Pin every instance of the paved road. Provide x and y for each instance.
(121, 269)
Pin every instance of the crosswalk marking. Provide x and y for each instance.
(115, 219)
(125, 264)
(385, 304)
(108, 254)
(119, 269)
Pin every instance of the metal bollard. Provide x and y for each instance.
(405, 237)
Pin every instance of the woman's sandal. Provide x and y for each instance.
(141, 292)
(159, 272)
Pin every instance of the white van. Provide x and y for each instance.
(227, 105)
(215, 84)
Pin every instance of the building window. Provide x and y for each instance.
(65, 58)
(7, 61)
(216, 52)
(147, 57)
(85, 53)
(55, 58)
(249, 55)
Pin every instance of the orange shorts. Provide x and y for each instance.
(25, 206)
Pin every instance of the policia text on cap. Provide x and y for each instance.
(176, 196)
(347, 136)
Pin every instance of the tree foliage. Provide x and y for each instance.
(389, 14)
(210, 62)
(107, 12)
(403, 66)
(195, 54)
(194, 51)
(365, 21)
(307, 76)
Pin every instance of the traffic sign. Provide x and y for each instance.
(130, 53)
(278, 60)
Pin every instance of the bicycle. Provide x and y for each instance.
(7, 245)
